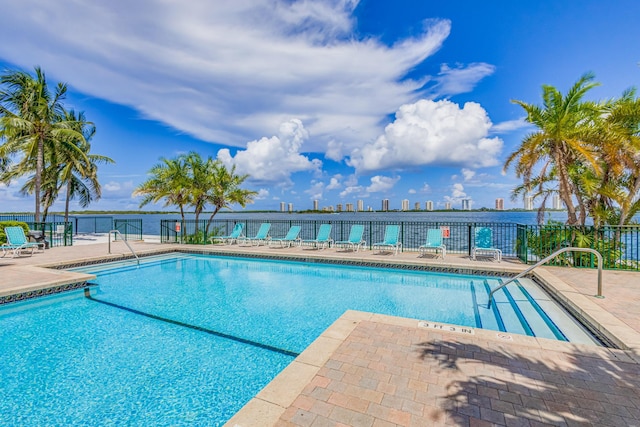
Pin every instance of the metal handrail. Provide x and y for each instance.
(553, 255)
(125, 242)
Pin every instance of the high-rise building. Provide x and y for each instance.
(557, 202)
(360, 205)
(349, 207)
(283, 207)
(417, 206)
(339, 207)
(499, 204)
(315, 205)
(528, 203)
(290, 207)
(405, 204)
(447, 206)
(429, 205)
(466, 204)
(385, 205)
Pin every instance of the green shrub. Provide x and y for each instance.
(552, 236)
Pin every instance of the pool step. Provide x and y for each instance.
(509, 314)
(516, 310)
(539, 322)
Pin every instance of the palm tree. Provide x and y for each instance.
(224, 190)
(169, 181)
(31, 116)
(199, 182)
(80, 172)
(618, 137)
(562, 122)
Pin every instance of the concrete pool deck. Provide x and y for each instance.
(374, 370)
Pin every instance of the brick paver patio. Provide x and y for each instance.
(374, 370)
(389, 375)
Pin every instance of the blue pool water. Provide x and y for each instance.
(188, 340)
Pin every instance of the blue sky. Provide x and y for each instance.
(336, 100)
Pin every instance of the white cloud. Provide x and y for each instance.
(227, 71)
(461, 79)
(351, 180)
(425, 188)
(356, 190)
(334, 182)
(335, 151)
(412, 191)
(263, 193)
(381, 184)
(316, 190)
(273, 160)
(111, 186)
(457, 191)
(457, 194)
(119, 190)
(510, 126)
(431, 132)
(468, 174)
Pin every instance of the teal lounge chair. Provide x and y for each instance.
(391, 239)
(262, 236)
(322, 239)
(484, 244)
(17, 242)
(354, 241)
(433, 243)
(236, 234)
(290, 239)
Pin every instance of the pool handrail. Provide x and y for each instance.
(125, 242)
(550, 257)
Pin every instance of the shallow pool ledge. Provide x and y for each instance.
(20, 282)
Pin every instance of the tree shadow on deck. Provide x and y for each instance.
(509, 385)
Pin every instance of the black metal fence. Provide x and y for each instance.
(619, 246)
(94, 224)
(131, 229)
(53, 233)
(57, 232)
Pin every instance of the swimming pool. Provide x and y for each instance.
(189, 339)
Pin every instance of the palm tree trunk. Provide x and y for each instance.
(197, 212)
(66, 204)
(211, 219)
(38, 177)
(565, 189)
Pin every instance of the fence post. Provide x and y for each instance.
(469, 246)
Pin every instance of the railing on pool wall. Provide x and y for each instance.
(619, 246)
(549, 258)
